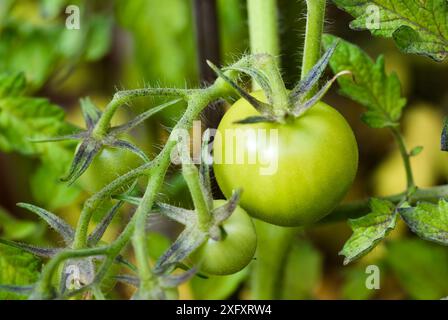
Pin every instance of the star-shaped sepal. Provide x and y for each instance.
(91, 142)
(262, 69)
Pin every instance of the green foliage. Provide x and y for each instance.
(23, 118)
(421, 268)
(303, 271)
(163, 39)
(17, 268)
(371, 87)
(369, 229)
(416, 26)
(35, 41)
(429, 221)
(35, 48)
(28, 50)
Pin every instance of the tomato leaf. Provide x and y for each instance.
(17, 268)
(371, 86)
(369, 230)
(419, 27)
(23, 119)
(429, 221)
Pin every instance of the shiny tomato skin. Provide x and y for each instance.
(234, 251)
(317, 161)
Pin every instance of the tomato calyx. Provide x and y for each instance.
(281, 105)
(192, 237)
(92, 143)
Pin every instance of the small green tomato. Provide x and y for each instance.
(235, 249)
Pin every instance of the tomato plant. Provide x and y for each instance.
(289, 160)
(317, 163)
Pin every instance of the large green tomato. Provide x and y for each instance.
(295, 179)
(234, 251)
(108, 165)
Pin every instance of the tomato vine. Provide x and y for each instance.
(204, 234)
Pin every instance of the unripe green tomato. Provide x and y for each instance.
(296, 180)
(234, 251)
(108, 165)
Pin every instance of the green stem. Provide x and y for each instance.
(191, 176)
(313, 35)
(139, 237)
(263, 31)
(91, 204)
(359, 208)
(263, 26)
(122, 97)
(406, 159)
(197, 101)
(101, 128)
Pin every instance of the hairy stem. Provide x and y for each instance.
(313, 35)
(139, 236)
(191, 176)
(196, 103)
(92, 203)
(263, 26)
(122, 97)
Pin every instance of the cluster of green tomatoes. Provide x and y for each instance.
(317, 160)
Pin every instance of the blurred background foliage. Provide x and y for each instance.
(130, 44)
